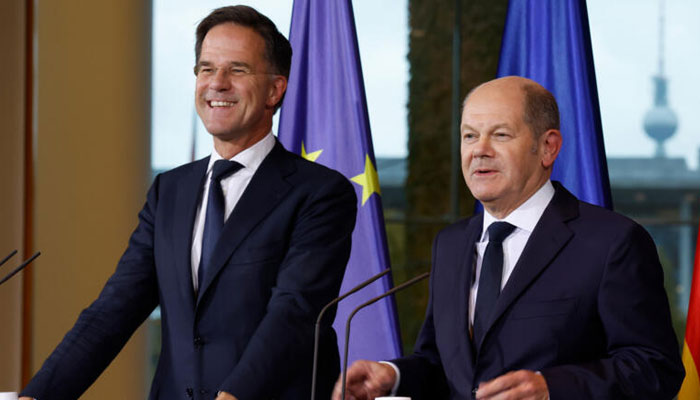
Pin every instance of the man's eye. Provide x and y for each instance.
(206, 70)
(469, 137)
(238, 71)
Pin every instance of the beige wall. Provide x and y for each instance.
(92, 168)
(12, 17)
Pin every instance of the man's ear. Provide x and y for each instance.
(277, 89)
(551, 144)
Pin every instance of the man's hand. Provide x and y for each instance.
(520, 385)
(225, 396)
(366, 380)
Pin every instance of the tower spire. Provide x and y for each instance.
(662, 35)
(660, 122)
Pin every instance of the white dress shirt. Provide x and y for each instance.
(233, 187)
(524, 218)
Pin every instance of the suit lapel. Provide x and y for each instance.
(464, 284)
(550, 235)
(189, 195)
(265, 190)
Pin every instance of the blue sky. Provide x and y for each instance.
(625, 41)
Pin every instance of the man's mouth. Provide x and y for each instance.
(483, 171)
(220, 103)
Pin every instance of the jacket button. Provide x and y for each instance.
(198, 342)
(190, 392)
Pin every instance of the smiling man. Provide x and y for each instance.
(240, 250)
(541, 296)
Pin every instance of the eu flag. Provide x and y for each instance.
(325, 119)
(549, 42)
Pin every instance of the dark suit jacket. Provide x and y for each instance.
(585, 305)
(249, 331)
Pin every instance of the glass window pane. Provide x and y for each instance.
(645, 54)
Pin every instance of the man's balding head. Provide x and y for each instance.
(540, 110)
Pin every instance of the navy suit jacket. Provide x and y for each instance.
(249, 331)
(585, 306)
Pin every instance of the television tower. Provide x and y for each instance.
(660, 122)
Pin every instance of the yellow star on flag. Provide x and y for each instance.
(310, 156)
(368, 180)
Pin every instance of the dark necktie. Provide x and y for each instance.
(214, 222)
(490, 279)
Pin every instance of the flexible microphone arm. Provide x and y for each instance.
(317, 331)
(4, 260)
(363, 305)
(21, 266)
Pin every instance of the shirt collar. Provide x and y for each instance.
(527, 215)
(250, 158)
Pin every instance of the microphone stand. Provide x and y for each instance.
(317, 331)
(363, 305)
(12, 253)
(21, 266)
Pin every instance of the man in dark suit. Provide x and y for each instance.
(238, 298)
(542, 296)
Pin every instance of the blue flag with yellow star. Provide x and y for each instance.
(549, 41)
(325, 119)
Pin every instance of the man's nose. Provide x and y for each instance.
(482, 147)
(220, 81)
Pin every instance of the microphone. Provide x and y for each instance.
(363, 305)
(4, 260)
(21, 266)
(317, 331)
